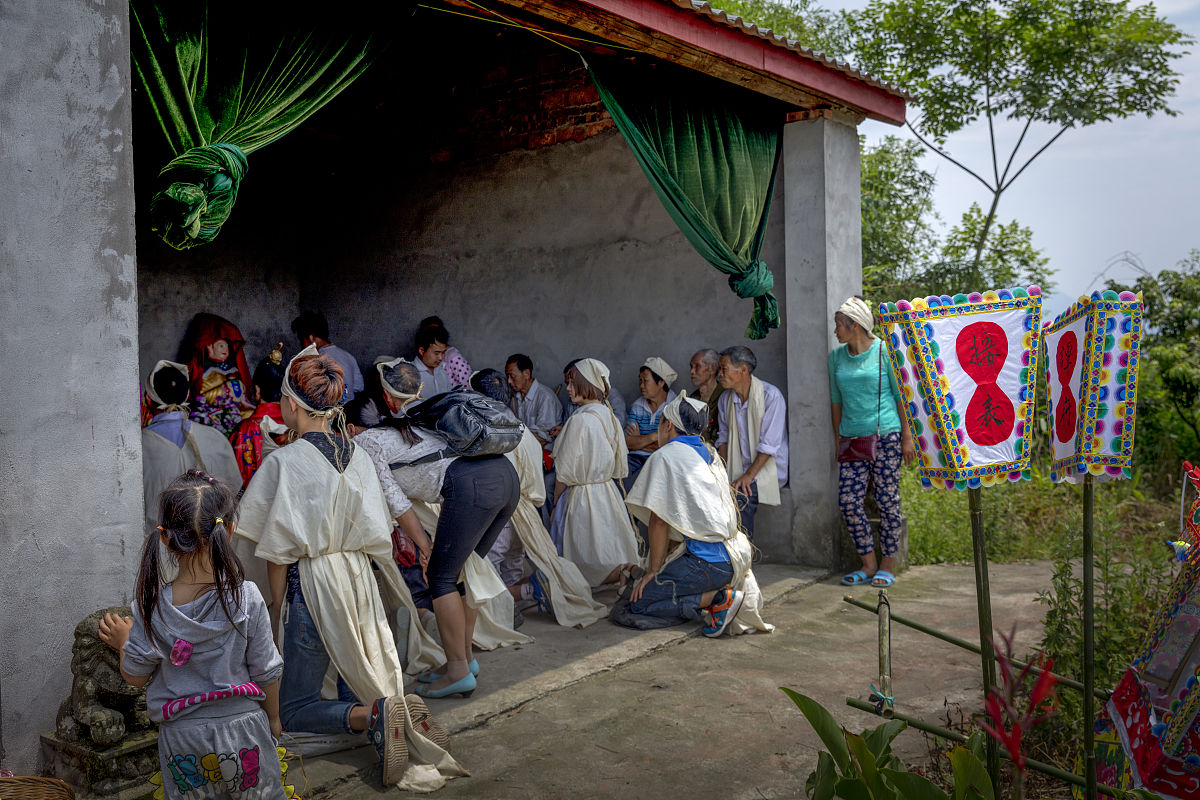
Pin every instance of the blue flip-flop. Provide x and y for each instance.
(856, 578)
(886, 577)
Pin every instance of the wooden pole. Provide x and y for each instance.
(884, 610)
(983, 602)
(1102, 694)
(1089, 640)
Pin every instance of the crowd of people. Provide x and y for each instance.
(360, 544)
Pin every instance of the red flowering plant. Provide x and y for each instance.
(1010, 714)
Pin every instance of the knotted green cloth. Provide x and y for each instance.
(711, 152)
(224, 83)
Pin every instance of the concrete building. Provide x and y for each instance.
(472, 173)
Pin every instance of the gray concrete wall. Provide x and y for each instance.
(823, 267)
(70, 469)
(557, 253)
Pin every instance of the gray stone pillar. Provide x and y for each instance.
(70, 447)
(823, 266)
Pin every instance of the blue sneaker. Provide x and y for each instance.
(725, 607)
(386, 732)
(540, 596)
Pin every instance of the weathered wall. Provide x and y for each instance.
(70, 467)
(557, 253)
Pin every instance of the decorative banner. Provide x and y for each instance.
(967, 366)
(1091, 357)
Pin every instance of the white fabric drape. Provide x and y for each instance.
(589, 454)
(696, 501)
(570, 594)
(163, 461)
(298, 508)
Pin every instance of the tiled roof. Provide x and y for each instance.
(720, 17)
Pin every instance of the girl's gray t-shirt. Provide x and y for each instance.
(198, 656)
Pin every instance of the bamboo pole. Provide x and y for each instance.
(983, 602)
(955, 736)
(1102, 694)
(1089, 640)
(883, 611)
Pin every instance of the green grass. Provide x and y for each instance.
(1023, 521)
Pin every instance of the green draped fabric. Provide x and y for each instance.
(711, 152)
(222, 86)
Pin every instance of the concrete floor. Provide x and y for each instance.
(604, 712)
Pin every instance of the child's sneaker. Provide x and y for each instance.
(386, 732)
(721, 613)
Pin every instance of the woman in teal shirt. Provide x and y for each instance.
(867, 401)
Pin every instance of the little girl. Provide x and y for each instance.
(203, 643)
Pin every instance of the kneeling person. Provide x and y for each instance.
(699, 563)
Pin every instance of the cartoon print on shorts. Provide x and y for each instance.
(186, 772)
(231, 771)
(249, 767)
(211, 766)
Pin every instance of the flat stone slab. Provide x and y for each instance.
(512, 677)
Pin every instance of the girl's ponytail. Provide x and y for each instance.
(196, 513)
(146, 590)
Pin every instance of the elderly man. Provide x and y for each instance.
(533, 403)
(703, 370)
(311, 327)
(752, 436)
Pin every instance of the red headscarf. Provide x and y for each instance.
(205, 329)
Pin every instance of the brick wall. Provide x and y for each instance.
(524, 100)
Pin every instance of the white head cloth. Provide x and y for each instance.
(385, 365)
(671, 409)
(594, 372)
(288, 391)
(661, 368)
(856, 309)
(161, 365)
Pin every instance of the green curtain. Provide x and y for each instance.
(224, 80)
(711, 151)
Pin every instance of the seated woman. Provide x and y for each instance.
(477, 496)
(219, 372)
(247, 440)
(683, 496)
(591, 526)
(316, 514)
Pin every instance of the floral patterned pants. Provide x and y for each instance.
(884, 472)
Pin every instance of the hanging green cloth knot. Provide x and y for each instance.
(756, 281)
(200, 188)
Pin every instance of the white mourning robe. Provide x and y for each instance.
(570, 594)
(163, 461)
(696, 501)
(299, 508)
(589, 454)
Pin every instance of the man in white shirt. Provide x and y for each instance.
(432, 344)
(753, 436)
(311, 327)
(534, 404)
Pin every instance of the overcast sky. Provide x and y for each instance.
(1129, 185)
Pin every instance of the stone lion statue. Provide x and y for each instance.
(102, 708)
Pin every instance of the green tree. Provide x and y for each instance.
(1168, 425)
(801, 20)
(898, 215)
(1061, 63)
(1008, 259)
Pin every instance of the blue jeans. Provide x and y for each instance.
(305, 662)
(675, 592)
(747, 507)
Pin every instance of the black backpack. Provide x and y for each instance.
(471, 424)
